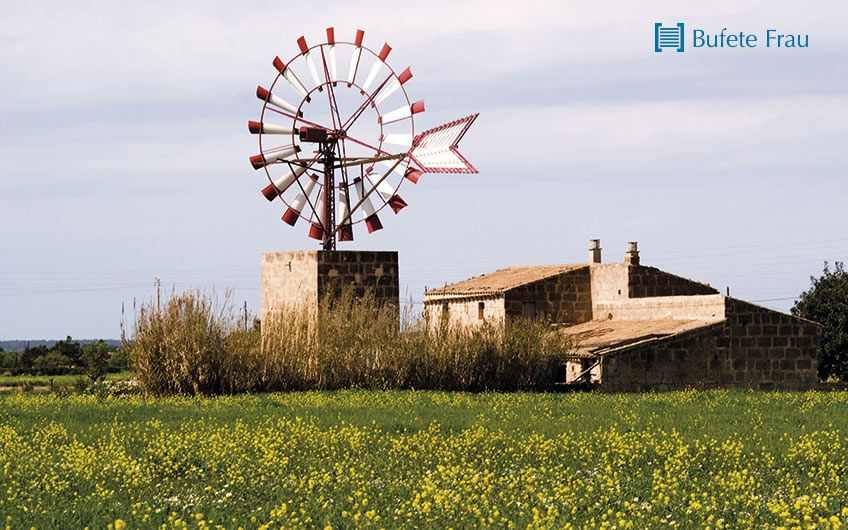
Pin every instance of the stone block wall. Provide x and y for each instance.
(304, 277)
(609, 283)
(466, 311)
(565, 298)
(288, 279)
(649, 281)
(698, 307)
(753, 347)
(575, 367)
(770, 348)
(614, 283)
(675, 362)
(361, 271)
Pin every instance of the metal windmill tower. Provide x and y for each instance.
(337, 156)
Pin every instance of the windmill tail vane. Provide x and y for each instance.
(337, 137)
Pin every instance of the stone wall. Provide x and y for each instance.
(602, 291)
(288, 279)
(614, 283)
(361, 271)
(698, 307)
(303, 277)
(676, 362)
(575, 367)
(769, 346)
(609, 283)
(754, 347)
(466, 311)
(565, 298)
(649, 281)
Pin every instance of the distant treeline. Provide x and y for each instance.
(63, 357)
(22, 344)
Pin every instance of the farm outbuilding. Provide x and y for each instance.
(636, 327)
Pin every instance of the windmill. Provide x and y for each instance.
(337, 138)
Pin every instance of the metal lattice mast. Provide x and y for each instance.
(328, 151)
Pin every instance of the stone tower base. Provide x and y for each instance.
(305, 277)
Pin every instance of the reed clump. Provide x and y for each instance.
(193, 345)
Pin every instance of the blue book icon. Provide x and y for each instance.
(668, 37)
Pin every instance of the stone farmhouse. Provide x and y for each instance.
(636, 327)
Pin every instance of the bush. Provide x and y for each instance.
(826, 302)
(29, 355)
(70, 349)
(53, 363)
(118, 361)
(8, 359)
(95, 358)
(190, 347)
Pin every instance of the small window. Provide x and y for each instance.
(529, 310)
(481, 310)
(445, 309)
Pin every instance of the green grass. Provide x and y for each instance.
(426, 459)
(58, 380)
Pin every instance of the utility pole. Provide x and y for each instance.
(157, 286)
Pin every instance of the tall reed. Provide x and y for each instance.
(195, 346)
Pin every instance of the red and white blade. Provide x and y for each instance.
(293, 212)
(372, 222)
(436, 150)
(345, 228)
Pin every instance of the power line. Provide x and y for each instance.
(728, 250)
(782, 299)
(40, 279)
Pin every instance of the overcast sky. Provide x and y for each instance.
(123, 149)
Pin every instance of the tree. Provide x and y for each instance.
(69, 349)
(826, 302)
(95, 357)
(118, 360)
(30, 354)
(53, 363)
(8, 360)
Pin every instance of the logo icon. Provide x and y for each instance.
(668, 37)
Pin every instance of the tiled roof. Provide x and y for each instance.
(597, 335)
(502, 280)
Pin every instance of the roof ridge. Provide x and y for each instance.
(504, 279)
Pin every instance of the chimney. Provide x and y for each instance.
(594, 251)
(631, 257)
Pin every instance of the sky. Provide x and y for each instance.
(124, 150)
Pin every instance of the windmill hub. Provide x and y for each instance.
(318, 135)
(346, 100)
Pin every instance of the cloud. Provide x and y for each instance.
(123, 150)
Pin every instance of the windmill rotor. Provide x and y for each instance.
(336, 136)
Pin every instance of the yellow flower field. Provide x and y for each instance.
(717, 459)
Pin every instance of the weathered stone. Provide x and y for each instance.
(729, 342)
(303, 278)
